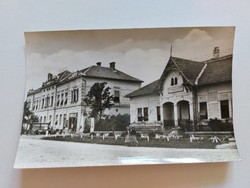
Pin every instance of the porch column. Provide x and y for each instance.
(191, 111)
(175, 115)
(230, 108)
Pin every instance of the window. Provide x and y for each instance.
(60, 119)
(74, 95)
(158, 112)
(139, 114)
(56, 120)
(145, 111)
(203, 110)
(224, 107)
(116, 96)
(66, 99)
(52, 100)
(42, 103)
(47, 101)
(61, 100)
(142, 115)
(64, 120)
(58, 100)
(44, 119)
(174, 80)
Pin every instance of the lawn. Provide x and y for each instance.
(142, 142)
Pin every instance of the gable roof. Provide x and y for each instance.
(188, 68)
(146, 90)
(194, 73)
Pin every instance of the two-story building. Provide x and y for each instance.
(60, 100)
(186, 93)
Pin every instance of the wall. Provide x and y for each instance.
(19, 16)
(213, 94)
(149, 101)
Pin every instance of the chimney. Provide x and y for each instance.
(112, 65)
(216, 52)
(99, 64)
(50, 76)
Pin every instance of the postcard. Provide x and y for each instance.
(128, 97)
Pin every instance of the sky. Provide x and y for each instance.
(141, 53)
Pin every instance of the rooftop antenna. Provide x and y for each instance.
(171, 49)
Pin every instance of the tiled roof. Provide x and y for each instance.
(190, 69)
(109, 73)
(217, 70)
(93, 71)
(146, 90)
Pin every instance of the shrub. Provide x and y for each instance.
(219, 125)
(92, 133)
(111, 134)
(123, 134)
(113, 123)
(138, 135)
(151, 135)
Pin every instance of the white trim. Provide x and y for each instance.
(200, 74)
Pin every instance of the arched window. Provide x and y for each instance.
(174, 80)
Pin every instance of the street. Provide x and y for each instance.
(36, 153)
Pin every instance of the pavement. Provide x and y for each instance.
(36, 153)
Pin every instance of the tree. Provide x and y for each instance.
(99, 99)
(28, 116)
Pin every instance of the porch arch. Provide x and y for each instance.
(168, 114)
(183, 114)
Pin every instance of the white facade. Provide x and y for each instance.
(180, 103)
(61, 104)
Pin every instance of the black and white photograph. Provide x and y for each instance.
(128, 97)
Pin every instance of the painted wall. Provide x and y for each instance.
(213, 95)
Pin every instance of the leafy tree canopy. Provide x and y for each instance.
(99, 99)
(28, 116)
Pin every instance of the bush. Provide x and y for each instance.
(151, 135)
(92, 133)
(219, 125)
(111, 134)
(138, 135)
(123, 134)
(113, 123)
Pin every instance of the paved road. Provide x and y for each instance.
(36, 153)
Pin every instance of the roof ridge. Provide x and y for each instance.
(200, 74)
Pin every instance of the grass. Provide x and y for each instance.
(177, 143)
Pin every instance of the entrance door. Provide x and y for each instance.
(73, 122)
